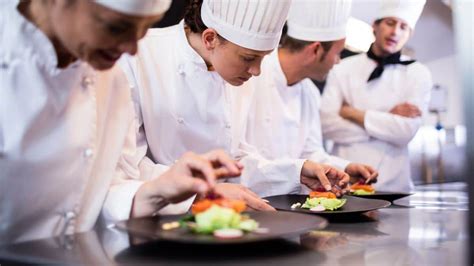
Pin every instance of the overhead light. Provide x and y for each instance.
(359, 35)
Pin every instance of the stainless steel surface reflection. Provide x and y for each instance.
(430, 229)
(438, 197)
(398, 236)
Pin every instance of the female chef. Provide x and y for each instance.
(179, 80)
(65, 127)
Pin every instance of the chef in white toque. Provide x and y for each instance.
(66, 119)
(373, 102)
(284, 122)
(179, 81)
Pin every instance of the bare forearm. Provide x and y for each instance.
(353, 114)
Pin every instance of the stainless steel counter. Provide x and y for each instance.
(427, 228)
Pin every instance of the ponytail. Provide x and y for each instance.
(192, 16)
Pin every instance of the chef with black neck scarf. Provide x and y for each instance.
(373, 103)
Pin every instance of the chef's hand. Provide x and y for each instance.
(239, 192)
(191, 174)
(315, 176)
(406, 110)
(222, 164)
(362, 172)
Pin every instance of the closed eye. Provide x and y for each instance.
(248, 59)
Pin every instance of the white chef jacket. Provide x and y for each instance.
(62, 133)
(384, 141)
(284, 120)
(184, 107)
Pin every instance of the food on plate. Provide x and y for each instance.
(221, 217)
(228, 233)
(170, 226)
(360, 189)
(319, 201)
(324, 194)
(202, 205)
(295, 205)
(318, 208)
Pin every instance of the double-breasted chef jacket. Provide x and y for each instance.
(65, 136)
(182, 106)
(383, 143)
(283, 121)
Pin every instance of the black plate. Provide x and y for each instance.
(385, 195)
(280, 224)
(353, 205)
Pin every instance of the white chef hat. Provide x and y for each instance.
(253, 24)
(137, 7)
(318, 20)
(407, 10)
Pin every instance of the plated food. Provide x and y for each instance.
(271, 225)
(368, 191)
(352, 205)
(221, 217)
(361, 189)
(320, 201)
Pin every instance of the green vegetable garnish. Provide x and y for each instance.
(361, 192)
(217, 217)
(328, 204)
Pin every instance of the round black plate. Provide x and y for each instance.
(280, 224)
(353, 204)
(385, 195)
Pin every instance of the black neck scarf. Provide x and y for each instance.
(383, 61)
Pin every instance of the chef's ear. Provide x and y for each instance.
(313, 50)
(210, 38)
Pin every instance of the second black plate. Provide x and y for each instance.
(385, 195)
(353, 205)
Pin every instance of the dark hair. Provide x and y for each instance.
(192, 16)
(378, 21)
(294, 45)
(193, 20)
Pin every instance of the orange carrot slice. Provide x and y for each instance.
(317, 194)
(367, 188)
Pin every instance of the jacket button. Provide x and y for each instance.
(86, 82)
(180, 120)
(88, 153)
(181, 69)
(228, 125)
(70, 215)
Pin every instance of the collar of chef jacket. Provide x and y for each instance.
(25, 37)
(279, 81)
(275, 106)
(26, 40)
(194, 68)
(189, 55)
(279, 75)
